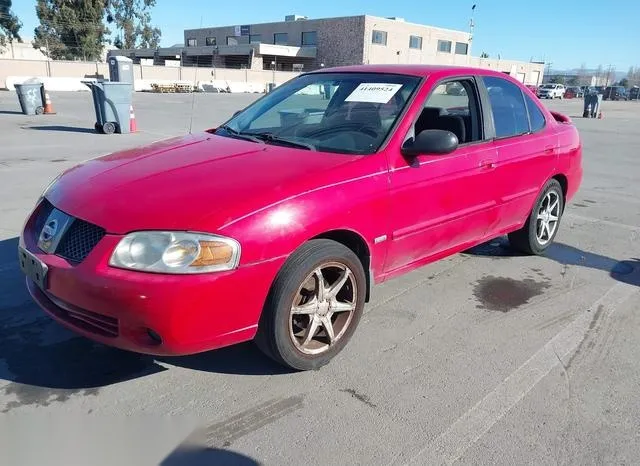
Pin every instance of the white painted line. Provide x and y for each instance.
(469, 428)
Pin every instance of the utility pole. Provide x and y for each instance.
(548, 73)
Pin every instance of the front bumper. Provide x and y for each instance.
(130, 310)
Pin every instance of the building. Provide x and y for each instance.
(301, 44)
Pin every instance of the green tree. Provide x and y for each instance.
(71, 29)
(133, 21)
(9, 24)
(484, 55)
(624, 82)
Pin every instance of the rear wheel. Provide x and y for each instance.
(109, 127)
(314, 306)
(544, 220)
(39, 110)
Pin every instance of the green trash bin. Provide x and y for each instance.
(30, 96)
(111, 102)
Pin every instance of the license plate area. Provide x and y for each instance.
(33, 268)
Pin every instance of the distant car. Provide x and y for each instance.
(551, 91)
(275, 229)
(634, 93)
(615, 93)
(573, 92)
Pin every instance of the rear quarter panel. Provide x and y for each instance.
(569, 157)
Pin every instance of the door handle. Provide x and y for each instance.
(488, 164)
(549, 149)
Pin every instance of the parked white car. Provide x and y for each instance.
(551, 91)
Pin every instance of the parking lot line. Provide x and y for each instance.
(470, 427)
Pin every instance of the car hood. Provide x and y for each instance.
(194, 182)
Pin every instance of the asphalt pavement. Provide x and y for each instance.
(487, 357)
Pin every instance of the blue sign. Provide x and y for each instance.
(245, 30)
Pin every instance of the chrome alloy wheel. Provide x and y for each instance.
(548, 217)
(323, 308)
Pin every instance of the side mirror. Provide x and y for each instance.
(431, 141)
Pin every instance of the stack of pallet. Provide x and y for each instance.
(184, 87)
(163, 88)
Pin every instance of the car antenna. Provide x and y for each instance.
(193, 90)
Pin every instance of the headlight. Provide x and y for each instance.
(175, 252)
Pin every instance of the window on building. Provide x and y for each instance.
(192, 42)
(510, 116)
(444, 46)
(536, 117)
(310, 38)
(232, 40)
(415, 42)
(462, 48)
(255, 38)
(281, 38)
(211, 41)
(379, 37)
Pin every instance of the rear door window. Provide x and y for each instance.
(510, 115)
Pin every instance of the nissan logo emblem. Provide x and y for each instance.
(49, 231)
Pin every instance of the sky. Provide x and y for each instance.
(566, 34)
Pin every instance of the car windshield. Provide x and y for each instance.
(548, 86)
(350, 113)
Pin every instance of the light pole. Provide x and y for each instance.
(273, 70)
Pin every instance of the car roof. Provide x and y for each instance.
(413, 70)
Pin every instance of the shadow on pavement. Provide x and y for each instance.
(195, 456)
(69, 129)
(626, 271)
(242, 359)
(44, 362)
(10, 112)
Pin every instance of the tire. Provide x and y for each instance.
(281, 333)
(98, 127)
(109, 127)
(39, 110)
(531, 238)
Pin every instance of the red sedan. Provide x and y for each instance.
(275, 225)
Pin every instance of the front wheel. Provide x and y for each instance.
(541, 227)
(314, 306)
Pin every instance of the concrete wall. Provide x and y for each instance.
(63, 75)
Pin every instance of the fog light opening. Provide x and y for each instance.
(155, 338)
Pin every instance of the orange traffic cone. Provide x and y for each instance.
(133, 127)
(48, 106)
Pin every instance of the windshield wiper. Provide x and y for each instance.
(237, 134)
(270, 137)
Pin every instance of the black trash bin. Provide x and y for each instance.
(31, 97)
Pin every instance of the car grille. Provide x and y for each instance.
(44, 209)
(79, 240)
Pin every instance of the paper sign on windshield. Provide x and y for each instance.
(375, 93)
